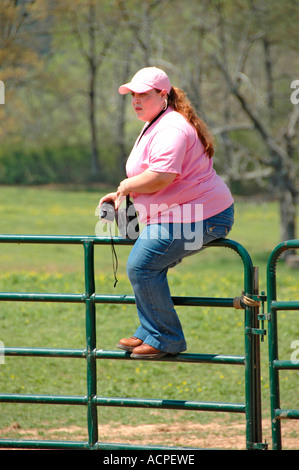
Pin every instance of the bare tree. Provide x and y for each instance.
(280, 158)
(140, 20)
(94, 53)
(279, 163)
(20, 59)
(124, 71)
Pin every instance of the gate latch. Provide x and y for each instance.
(255, 331)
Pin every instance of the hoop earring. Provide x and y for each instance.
(165, 105)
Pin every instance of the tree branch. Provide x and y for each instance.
(231, 128)
(257, 122)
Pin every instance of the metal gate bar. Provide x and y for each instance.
(274, 363)
(91, 354)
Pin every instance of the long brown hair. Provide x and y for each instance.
(179, 102)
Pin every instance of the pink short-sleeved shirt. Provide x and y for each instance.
(171, 145)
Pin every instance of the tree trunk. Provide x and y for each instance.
(120, 121)
(287, 216)
(283, 176)
(95, 159)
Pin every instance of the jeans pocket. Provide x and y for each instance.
(218, 226)
(217, 230)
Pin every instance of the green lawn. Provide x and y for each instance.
(52, 268)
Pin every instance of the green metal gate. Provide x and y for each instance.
(251, 407)
(275, 364)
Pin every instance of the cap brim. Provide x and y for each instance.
(136, 88)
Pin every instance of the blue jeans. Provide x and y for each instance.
(159, 247)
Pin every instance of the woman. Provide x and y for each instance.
(178, 196)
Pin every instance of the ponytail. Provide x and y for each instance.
(180, 103)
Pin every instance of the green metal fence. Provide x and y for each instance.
(93, 352)
(275, 364)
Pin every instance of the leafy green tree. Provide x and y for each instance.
(20, 54)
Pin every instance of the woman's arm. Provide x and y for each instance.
(147, 182)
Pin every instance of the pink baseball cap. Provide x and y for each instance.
(146, 79)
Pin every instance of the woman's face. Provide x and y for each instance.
(148, 105)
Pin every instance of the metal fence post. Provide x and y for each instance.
(92, 420)
(274, 363)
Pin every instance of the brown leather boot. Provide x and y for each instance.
(128, 344)
(145, 351)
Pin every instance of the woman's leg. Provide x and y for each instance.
(147, 267)
(158, 248)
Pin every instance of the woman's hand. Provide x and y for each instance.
(123, 189)
(112, 197)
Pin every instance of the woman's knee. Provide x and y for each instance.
(131, 271)
(134, 269)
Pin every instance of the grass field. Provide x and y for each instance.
(52, 268)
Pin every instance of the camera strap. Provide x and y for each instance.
(150, 124)
(114, 258)
(128, 219)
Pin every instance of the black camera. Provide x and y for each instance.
(126, 218)
(107, 211)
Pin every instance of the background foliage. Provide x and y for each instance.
(62, 63)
